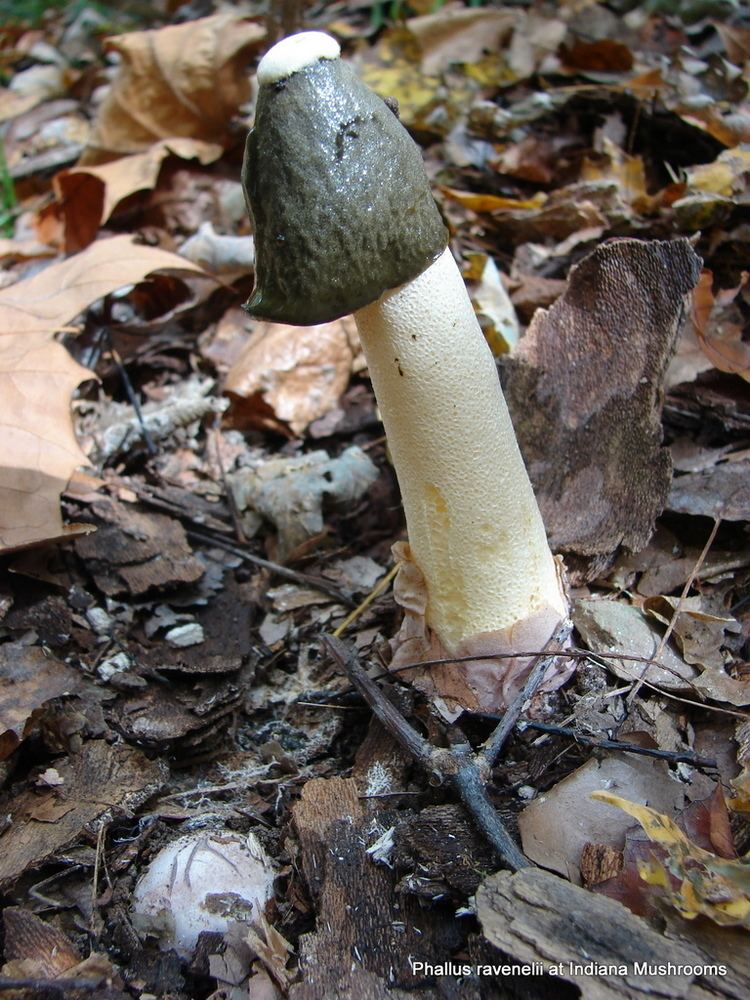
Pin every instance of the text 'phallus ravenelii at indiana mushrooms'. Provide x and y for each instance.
(344, 221)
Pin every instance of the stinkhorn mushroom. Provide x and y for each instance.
(203, 881)
(344, 221)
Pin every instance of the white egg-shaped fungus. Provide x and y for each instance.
(203, 881)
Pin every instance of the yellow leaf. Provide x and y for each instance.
(615, 164)
(723, 176)
(494, 203)
(392, 69)
(710, 885)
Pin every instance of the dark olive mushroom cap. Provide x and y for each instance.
(341, 206)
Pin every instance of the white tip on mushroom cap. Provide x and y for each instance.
(294, 53)
(202, 882)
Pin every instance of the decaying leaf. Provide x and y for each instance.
(87, 196)
(28, 679)
(288, 376)
(699, 632)
(101, 779)
(117, 428)
(705, 822)
(39, 446)
(723, 491)
(612, 627)
(52, 298)
(290, 491)
(709, 885)
(557, 825)
(666, 564)
(181, 80)
(459, 35)
(584, 390)
(718, 326)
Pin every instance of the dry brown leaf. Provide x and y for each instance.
(288, 376)
(722, 491)
(50, 299)
(29, 679)
(182, 80)
(603, 56)
(87, 196)
(584, 390)
(557, 825)
(736, 42)
(606, 626)
(39, 450)
(720, 338)
(460, 35)
(31, 86)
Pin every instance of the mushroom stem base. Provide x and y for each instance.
(486, 684)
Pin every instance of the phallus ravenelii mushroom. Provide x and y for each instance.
(344, 221)
(203, 881)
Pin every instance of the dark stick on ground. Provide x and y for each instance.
(674, 756)
(283, 571)
(493, 747)
(457, 765)
(132, 396)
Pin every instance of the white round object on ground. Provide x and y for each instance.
(202, 882)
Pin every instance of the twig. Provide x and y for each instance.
(492, 747)
(132, 396)
(571, 654)
(239, 534)
(283, 571)
(412, 741)
(685, 591)
(58, 986)
(98, 862)
(457, 764)
(376, 591)
(471, 788)
(675, 756)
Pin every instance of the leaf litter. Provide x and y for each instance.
(165, 674)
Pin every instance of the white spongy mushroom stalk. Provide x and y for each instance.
(474, 527)
(202, 882)
(294, 53)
